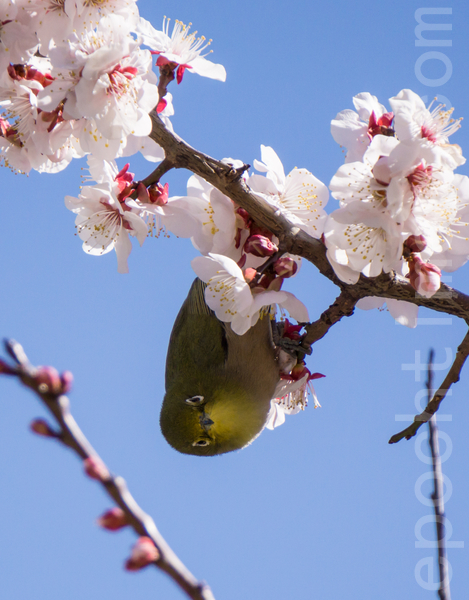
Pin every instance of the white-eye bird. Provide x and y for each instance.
(218, 384)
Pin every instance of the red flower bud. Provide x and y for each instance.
(158, 194)
(143, 554)
(96, 469)
(113, 519)
(416, 243)
(41, 427)
(48, 380)
(286, 267)
(260, 245)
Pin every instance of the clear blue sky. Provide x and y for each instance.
(322, 507)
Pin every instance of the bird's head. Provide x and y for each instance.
(218, 418)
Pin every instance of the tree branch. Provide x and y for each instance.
(71, 435)
(437, 495)
(343, 306)
(294, 240)
(434, 403)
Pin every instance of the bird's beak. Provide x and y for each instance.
(205, 421)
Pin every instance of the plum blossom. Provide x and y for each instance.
(216, 216)
(291, 395)
(18, 41)
(181, 51)
(355, 130)
(104, 76)
(431, 128)
(299, 196)
(231, 298)
(104, 224)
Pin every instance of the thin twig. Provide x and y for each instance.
(154, 177)
(292, 238)
(343, 306)
(434, 403)
(437, 496)
(71, 435)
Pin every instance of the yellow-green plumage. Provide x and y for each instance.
(236, 376)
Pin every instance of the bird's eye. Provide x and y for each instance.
(195, 400)
(201, 443)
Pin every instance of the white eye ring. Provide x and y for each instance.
(195, 400)
(201, 443)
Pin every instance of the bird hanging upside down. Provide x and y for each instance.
(218, 384)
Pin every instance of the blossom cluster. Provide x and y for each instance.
(75, 80)
(401, 204)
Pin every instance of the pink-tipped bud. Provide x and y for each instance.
(143, 554)
(259, 245)
(48, 380)
(41, 427)
(158, 194)
(96, 469)
(424, 277)
(416, 243)
(66, 379)
(249, 274)
(113, 519)
(286, 267)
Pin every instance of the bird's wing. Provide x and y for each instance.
(198, 338)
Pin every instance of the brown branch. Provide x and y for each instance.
(71, 435)
(154, 177)
(343, 306)
(437, 495)
(434, 403)
(292, 239)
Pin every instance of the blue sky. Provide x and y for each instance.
(321, 507)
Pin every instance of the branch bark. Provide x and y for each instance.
(70, 435)
(434, 403)
(294, 240)
(437, 496)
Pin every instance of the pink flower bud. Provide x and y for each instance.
(416, 243)
(41, 427)
(259, 245)
(113, 520)
(66, 379)
(425, 278)
(285, 267)
(96, 469)
(143, 554)
(158, 194)
(48, 380)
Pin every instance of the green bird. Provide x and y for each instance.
(218, 384)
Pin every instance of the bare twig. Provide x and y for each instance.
(154, 177)
(343, 306)
(437, 496)
(434, 403)
(71, 435)
(292, 239)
